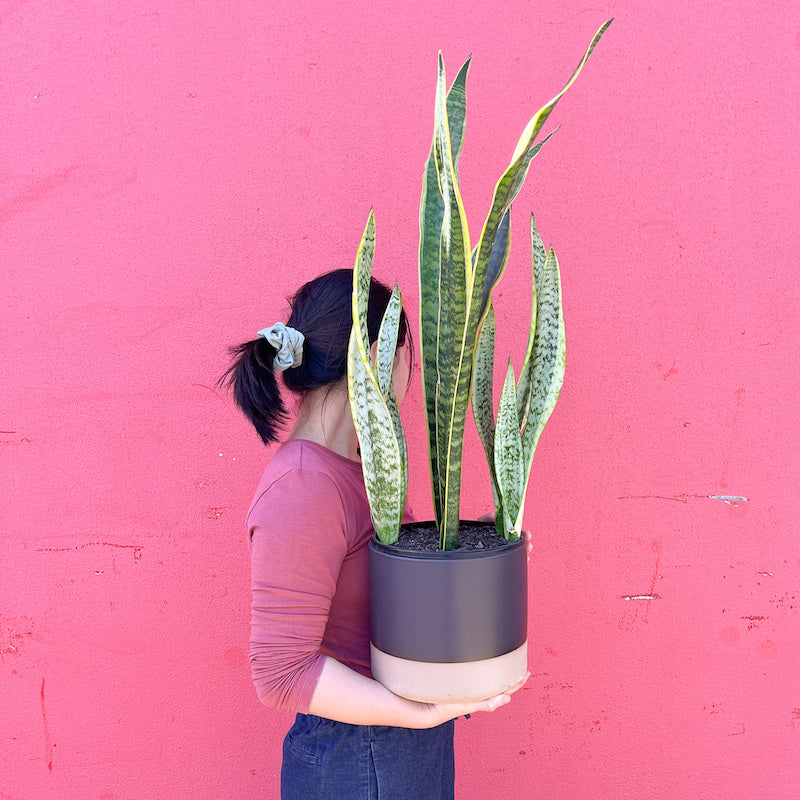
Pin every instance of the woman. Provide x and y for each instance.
(308, 528)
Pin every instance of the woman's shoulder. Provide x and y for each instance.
(302, 458)
(304, 472)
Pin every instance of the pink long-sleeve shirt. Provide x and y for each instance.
(309, 527)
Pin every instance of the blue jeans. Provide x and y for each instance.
(327, 760)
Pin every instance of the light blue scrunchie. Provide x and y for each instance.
(289, 344)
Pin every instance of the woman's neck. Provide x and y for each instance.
(325, 418)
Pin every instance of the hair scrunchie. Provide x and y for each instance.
(289, 344)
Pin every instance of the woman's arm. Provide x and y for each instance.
(347, 696)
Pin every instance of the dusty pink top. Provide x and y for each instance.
(309, 526)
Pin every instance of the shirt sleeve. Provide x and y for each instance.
(298, 540)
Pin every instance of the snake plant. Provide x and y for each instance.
(457, 338)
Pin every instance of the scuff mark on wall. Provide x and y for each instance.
(13, 442)
(629, 618)
(13, 632)
(730, 499)
(629, 597)
(48, 742)
(137, 549)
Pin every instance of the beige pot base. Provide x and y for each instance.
(427, 682)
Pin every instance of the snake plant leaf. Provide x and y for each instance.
(457, 111)
(497, 260)
(455, 299)
(400, 436)
(362, 274)
(511, 182)
(508, 457)
(387, 340)
(430, 225)
(380, 454)
(546, 368)
(447, 285)
(482, 404)
(483, 386)
(387, 346)
(535, 125)
(524, 385)
(381, 457)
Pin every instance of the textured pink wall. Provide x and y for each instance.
(170, 171)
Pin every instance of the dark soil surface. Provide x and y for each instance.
(425, 538)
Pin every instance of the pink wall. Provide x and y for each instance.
(170, 171)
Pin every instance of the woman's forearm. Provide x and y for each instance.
(347, 696)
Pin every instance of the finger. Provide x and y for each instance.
(499, 700)
(492, 704)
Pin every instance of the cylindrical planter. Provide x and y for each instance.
(448, 626)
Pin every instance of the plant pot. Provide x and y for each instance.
(448, 626)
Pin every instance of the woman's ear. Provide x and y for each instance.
(373, 350)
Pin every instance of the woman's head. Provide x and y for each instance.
(321, 310)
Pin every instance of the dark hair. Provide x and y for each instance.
(322, 312)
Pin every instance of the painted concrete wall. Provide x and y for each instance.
(171, 171)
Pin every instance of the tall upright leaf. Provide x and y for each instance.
(511, 182)
(524, 385)
(386, 350)
(430, 225)
(445, 286)
(381, 453)
(545, 369)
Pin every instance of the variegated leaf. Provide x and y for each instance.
(549, 357)
(446, 332)
(387, 340)
(535, 125)
(497, 260)
(482, 394)
(524, 385)
(400, 436)
(482, 406)
(511, 182)
(508, 458)
(430, 225)
(361, 284)
(382, 460)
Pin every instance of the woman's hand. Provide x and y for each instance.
(345, 695)
(528, 543)
(442, 712)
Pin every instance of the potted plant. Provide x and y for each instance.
(450, 625)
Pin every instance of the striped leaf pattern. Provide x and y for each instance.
(455, 299)
(387, 345)
(387, 341)
(377, 423)
(483, 403)
(524, 385)
(445, 288)
(508, 462)
(545, 369)
(432, 209)
(511, 182)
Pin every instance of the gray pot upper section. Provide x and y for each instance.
(448, 607)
